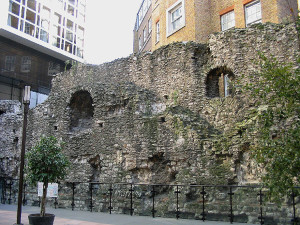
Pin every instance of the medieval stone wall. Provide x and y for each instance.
(10, 138)
(163, 117)
(149, 118)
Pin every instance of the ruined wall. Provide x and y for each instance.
(148, 118)
(10, 138)
(162, 117)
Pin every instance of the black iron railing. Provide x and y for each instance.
(211, 200)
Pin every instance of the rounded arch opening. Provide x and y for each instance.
(218, 82)
(81, 111)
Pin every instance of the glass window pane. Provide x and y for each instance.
(31, 4)
(30, 16)
(72, 2)
(227, 21)
(26, 64)
(69, 36)
(71, 10)
(14, 8)
(68, 47)
(253, 13)
(70, 24)
(13, 21)
(29, 29)
(44, 35)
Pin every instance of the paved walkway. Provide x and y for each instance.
(8, 216)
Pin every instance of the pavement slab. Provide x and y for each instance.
(8, 216)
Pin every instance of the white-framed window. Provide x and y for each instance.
(227, 20)
(157, 32)
(25, 64)
(253, 13)
(226, 85)
(144, 35)
(10, 63)
(149, 26)
(175, 17)
(140, 43)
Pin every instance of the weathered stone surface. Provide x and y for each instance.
(10, 138)
(147, 118)
(151, 118)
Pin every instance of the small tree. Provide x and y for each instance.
(277, 127)
(46, 163)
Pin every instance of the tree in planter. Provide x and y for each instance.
(46, 163)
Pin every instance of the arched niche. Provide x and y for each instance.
(218, 82)
(81, 111)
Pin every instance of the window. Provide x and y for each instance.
(140, 43)
(157, 32)
(142, 11)
(253, 13)
(10, 62)
(13, 21)
(227, 20)
(149, 26)
(226, 85)
(144, 35)
(175, 17)
(14, 8)
(53, 68)
(218, 82)
(26, 64)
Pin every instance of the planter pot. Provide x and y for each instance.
(36, 219)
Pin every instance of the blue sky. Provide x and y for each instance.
(109, 29)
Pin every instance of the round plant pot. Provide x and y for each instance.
(36, 219)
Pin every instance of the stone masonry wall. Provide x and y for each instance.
(10, 138)
(149, 118)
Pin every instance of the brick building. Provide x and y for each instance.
(160, 22)
(37, 37)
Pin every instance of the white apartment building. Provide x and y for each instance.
(54, 27)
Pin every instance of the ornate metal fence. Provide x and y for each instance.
(203, 202)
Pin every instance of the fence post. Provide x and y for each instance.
(153, 201)
(177, 202)
(10, 190)
(55, 203)
(91, 201)
(3, 197)
(261, 218)
(295, 220)
(203, 193)
(131, 200)
(73, 196)
(231, 210)
(110, 198)
(24, 196)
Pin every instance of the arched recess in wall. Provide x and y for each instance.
(81, 111)
(218, 82)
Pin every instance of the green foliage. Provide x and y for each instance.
(277, 147)
(46, 162)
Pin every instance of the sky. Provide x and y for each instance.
(109, 29)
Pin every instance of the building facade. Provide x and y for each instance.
(195, 20)
(37, 37)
